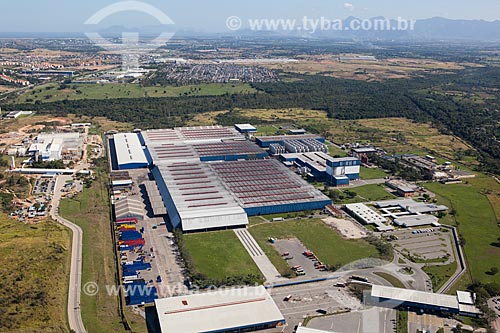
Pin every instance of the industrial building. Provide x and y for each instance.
(323, 167)
(155, 200)
(57, 146)
(342, 170)
(195, 197)
(265, 141)
(462, 303)
(267, 187)
(402, 188)
(128, 151)
(245, 128)
(205, 152)
(226, 311)
(411, 206)
(366, 215)
(211, 177)
(411, 221)
(405, 213)
(188, 135)
(129, 208)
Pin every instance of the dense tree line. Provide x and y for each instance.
(415, 98)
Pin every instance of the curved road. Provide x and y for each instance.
(75, 277)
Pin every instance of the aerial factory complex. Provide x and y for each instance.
(212, 177)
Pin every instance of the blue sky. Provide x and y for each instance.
(210, 16)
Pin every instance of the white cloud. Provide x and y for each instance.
(349, 6)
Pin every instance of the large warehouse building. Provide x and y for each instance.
(267, 187)
(195, 197)
(266, 141)
(227, 311)
(128, 151)
(210, 177)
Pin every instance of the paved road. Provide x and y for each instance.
(361, 182)
(75, 278)
(261, 260)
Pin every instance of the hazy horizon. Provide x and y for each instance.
(69, 17)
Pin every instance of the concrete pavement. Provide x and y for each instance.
(75, 278)
(261, 260)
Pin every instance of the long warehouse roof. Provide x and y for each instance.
(175, 152)
(217, 311)
(258, 183)
(200, 198)
(129, 149)
(190, 135)
(424, 298)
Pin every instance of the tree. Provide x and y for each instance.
(494, 270)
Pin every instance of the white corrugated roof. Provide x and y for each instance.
(415, 296)
(129, 149)
(224, 309)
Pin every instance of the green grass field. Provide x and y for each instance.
(440, 274)
(391, 279)
(34, 275)
(264, 130)
(219, 254)
(369, 173)
(90, 210)
(315, 235)
(51, 92)
(476, 222)
(334, 151)
(365, 193)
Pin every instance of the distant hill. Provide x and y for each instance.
(436, 28)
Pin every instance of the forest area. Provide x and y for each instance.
(463, 102)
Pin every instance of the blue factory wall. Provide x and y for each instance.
(173, 214)
(287, 208)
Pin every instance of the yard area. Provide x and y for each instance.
(219, 255)
(371, 173)
(34, 261)
(90, 210)
(315, 235)
(364, 193)
(476, 221)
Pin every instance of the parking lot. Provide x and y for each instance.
(494, 304)
(294, 251)
(312, 300)
(425, 244)
(44, 186)
(373, 320)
